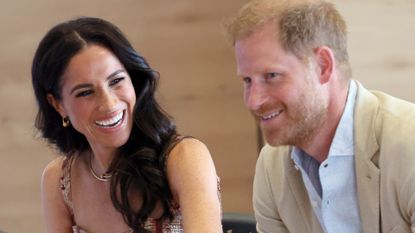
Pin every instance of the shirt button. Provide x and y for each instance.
(325, 165)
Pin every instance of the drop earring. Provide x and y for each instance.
(65, 121)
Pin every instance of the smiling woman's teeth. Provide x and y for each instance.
(111, 122)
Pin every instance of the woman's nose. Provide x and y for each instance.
(108, 101)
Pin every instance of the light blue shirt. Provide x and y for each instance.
(331, 186)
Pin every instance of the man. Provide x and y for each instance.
(339, 157)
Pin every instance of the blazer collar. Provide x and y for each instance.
(366, 159)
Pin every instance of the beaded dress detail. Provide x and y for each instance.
(152, 225)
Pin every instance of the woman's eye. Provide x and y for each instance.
(84, 93)
(116, 81)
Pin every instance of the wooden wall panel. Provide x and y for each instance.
(184, 40)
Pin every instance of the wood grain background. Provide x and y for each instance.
(185, 42)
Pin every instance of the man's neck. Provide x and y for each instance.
(318, 145)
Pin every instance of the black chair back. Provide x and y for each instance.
(238, 223)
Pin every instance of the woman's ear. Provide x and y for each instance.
(325, 63)
(56, 104)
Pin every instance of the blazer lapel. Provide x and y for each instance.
(366, 160)
(296, 185)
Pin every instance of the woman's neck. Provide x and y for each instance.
(101, 158)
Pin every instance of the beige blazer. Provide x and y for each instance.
(384, 133)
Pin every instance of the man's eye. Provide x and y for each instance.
(84, 93)
(116, 81)
(247, 80)
(272, 75)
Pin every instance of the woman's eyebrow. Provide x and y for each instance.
(86, 85)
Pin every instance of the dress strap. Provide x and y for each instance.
(66, 182)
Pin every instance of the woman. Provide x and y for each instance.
(124, 168)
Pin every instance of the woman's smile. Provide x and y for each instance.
(111, 122)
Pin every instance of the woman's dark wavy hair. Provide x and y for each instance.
(140, 166)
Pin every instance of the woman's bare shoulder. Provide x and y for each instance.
(194, 185)
(190, 158)
(189, 147)
(53, 170)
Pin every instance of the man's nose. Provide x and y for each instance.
(255, 96)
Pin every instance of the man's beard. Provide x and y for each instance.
(302, 120)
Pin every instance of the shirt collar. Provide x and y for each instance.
(343, 143)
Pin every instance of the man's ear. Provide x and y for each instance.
(57, 105)
(325, 63)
